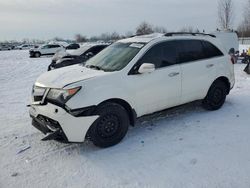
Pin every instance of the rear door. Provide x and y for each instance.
(198, 71)
(45, 50)
(54, 48)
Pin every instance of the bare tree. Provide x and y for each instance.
(80, 38)
(160, 29)
(244, 27)
(144, 28)
(225, 13)
(189, 29)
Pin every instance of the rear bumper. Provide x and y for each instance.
(58, 124)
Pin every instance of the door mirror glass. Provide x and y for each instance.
(146, 68)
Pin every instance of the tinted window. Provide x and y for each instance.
(73, 46)
(153, 56)
(161, 55)
(211, 50)
(96, 49)
(169, 55)
(54, 46)
(190, 50)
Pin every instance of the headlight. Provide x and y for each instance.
(62, 95)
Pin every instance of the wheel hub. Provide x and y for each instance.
(108, 126)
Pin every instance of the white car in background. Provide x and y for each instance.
(129, 79)
(47, 49)
(25, 47)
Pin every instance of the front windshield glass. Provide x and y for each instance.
(80, 51)
(114, 57)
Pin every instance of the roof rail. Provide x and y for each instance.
(188, 33)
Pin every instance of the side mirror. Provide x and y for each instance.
(89, 54)
(146, 68)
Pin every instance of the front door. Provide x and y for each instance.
(162, 88)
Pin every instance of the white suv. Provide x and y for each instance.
(131, 78)
(48, 49)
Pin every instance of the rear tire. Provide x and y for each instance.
(111, 126)
(37, 54)
(216, 96)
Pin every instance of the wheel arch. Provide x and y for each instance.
(131, 112)
(225, 80)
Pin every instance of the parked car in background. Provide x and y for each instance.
(25, 47)
(131, 78)
(47, 49)
(73, 46)
(5, 47)
(63, 59)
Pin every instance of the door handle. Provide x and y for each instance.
(210, 65)
(173, 74)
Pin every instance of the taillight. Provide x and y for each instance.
(233, 60)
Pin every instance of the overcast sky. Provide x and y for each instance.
(45, 19)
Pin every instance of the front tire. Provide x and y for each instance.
(216, 96)
(111, 126)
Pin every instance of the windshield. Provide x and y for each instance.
(80, 51)
(115, 57)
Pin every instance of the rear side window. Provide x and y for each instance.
(211, 50)
(54, 46)
(190, 50)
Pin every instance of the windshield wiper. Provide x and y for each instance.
(93, 67)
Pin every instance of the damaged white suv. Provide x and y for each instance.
(131, 78)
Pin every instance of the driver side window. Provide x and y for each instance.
(161, 55)
(45, 47)
(153, 55)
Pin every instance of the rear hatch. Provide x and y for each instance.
(228, 39)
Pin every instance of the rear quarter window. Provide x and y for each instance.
(211, 50)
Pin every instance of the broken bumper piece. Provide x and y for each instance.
(51, 128)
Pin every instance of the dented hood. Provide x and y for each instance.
(61, 77)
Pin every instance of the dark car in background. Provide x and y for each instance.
(5, 47)
(73, 46)
(63, 59)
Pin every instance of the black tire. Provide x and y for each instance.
(216, 96)
(37, 54)
(111, 127)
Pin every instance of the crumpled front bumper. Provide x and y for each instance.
(58, 124)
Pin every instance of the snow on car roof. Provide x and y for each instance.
(142, 38)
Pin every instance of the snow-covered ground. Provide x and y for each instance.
(183, 147)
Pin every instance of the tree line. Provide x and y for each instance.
(226, 15)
